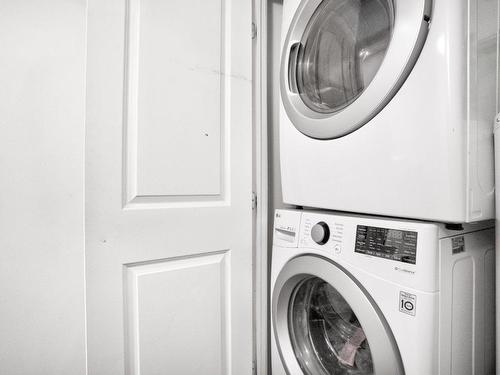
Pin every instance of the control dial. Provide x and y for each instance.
(320, 233)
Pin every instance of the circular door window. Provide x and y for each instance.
(326, 335)
(325, 323)
(344, 60)
(343, 47)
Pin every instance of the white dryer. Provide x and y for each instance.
(363, 295)
(387, 106)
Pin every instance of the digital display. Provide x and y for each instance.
(393, 244)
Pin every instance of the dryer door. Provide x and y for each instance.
(344, 60)
(325, 323)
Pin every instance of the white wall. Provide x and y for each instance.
(42, 100)
(274, 54)
(275, 200)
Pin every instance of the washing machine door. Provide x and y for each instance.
(325, 323)
(344, 60)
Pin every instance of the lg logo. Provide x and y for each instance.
(407, 303)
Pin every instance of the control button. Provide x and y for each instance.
(320, 233)
(337, 249)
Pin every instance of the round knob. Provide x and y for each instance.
(320, 233)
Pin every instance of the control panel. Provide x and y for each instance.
(393, 244)
(335, 233)
(327, 235)
(380, 246)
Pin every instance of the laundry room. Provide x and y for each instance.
(235, 187)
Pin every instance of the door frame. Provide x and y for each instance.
(260, 189)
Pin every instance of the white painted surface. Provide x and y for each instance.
(275, 9)
(261, 189)
(42, 66)
(273, 37)
(178, 141)
(160, 338)
(168, 249)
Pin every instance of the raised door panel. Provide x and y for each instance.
(176, 315)
(175, 101)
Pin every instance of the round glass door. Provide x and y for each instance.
(326, 335)
(344, 60)
(343, 47)
(325, 323)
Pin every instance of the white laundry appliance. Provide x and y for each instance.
(364, 295)
(387, 107)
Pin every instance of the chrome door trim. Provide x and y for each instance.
(385, 353)
(411, 25)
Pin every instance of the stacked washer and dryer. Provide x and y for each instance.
(386, 265)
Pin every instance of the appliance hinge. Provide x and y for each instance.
(254, 200)
(254, 30)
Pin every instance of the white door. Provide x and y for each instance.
(168, 187)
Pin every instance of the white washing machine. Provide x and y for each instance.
(363, 295)
(387, 106)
